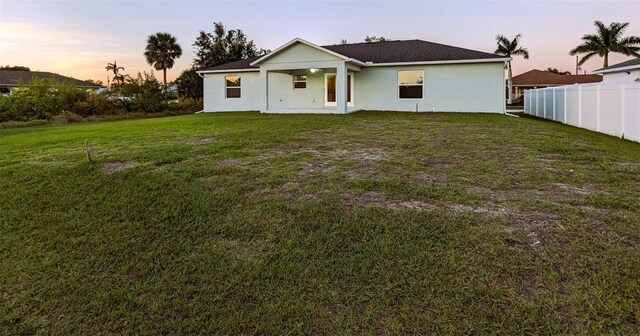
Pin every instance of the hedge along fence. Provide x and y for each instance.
(610, 109)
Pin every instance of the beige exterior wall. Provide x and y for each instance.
(215, 92)
(462, 87)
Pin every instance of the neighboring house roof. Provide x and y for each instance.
(546, 78)
(624, 66)
(378, 53)
(15, 77)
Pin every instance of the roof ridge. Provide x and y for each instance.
(375, 42)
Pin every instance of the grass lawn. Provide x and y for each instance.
(371, 223)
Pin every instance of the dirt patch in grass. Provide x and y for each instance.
(430, 178)
(524, 228)
(579, 190)
(313, 168)
(112, 167)
(231, 162)
(529, 228)
(377, 199)
(202, 141)
(509, 194)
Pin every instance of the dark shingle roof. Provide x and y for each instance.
(241, 64)
(407, 51)
(541, 78)
(14, 77)
(635, 61)
(389, 52)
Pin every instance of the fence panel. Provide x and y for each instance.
(558, 104)
(631, 129)
(610, 109)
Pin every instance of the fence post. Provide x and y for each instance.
(579, 105)
(622, 116)
(553, 92)
(544, 103)
(565, 104)
(598, 108)
(530, 101)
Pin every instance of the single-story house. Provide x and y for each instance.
(538, 79)
(10, 79)
(627, 72)
(411, 75)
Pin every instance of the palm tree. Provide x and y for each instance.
(607, 39)
(556, 71)
(161, 52)
(117, 77)
(510, 48)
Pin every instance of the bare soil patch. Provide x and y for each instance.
(579, 190)
(112, 167)
(525, 228)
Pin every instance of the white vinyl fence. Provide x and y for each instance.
(610, 109)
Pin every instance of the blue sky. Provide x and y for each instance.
(78, 38)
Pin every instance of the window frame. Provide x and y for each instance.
(300, 81)
(399, 85)
(227, 87)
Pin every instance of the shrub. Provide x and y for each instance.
(44, 98)
(143, 94)
(95, 104)
(185, 106)
(67, 117)
(5, 109)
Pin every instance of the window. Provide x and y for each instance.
(410, 84)
(233, 86)
(300, 81)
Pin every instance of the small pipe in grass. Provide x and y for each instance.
(87, 150)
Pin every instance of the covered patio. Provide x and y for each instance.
(307, 79)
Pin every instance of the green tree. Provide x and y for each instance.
(144, 94)
(15, 67)
(509, 48)
(117, 77)
(371, 39)
(162, 50)
(189, 85)
(606, 40)
(556, 71)
(222, 47)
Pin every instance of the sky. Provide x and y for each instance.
(78, 38)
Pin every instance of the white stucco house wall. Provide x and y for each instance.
(411, 75)
(627, 72)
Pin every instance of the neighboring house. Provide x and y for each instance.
(412, 75)
(622, 73)
(10, 79)
(537, 79)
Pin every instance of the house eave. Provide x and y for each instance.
(621, 69)
(226, 71)
(482, 60)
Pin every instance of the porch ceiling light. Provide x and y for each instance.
(313, 70)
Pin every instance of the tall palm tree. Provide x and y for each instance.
(510, 48)
(161, 52)
(607, 39)
(113, 67)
